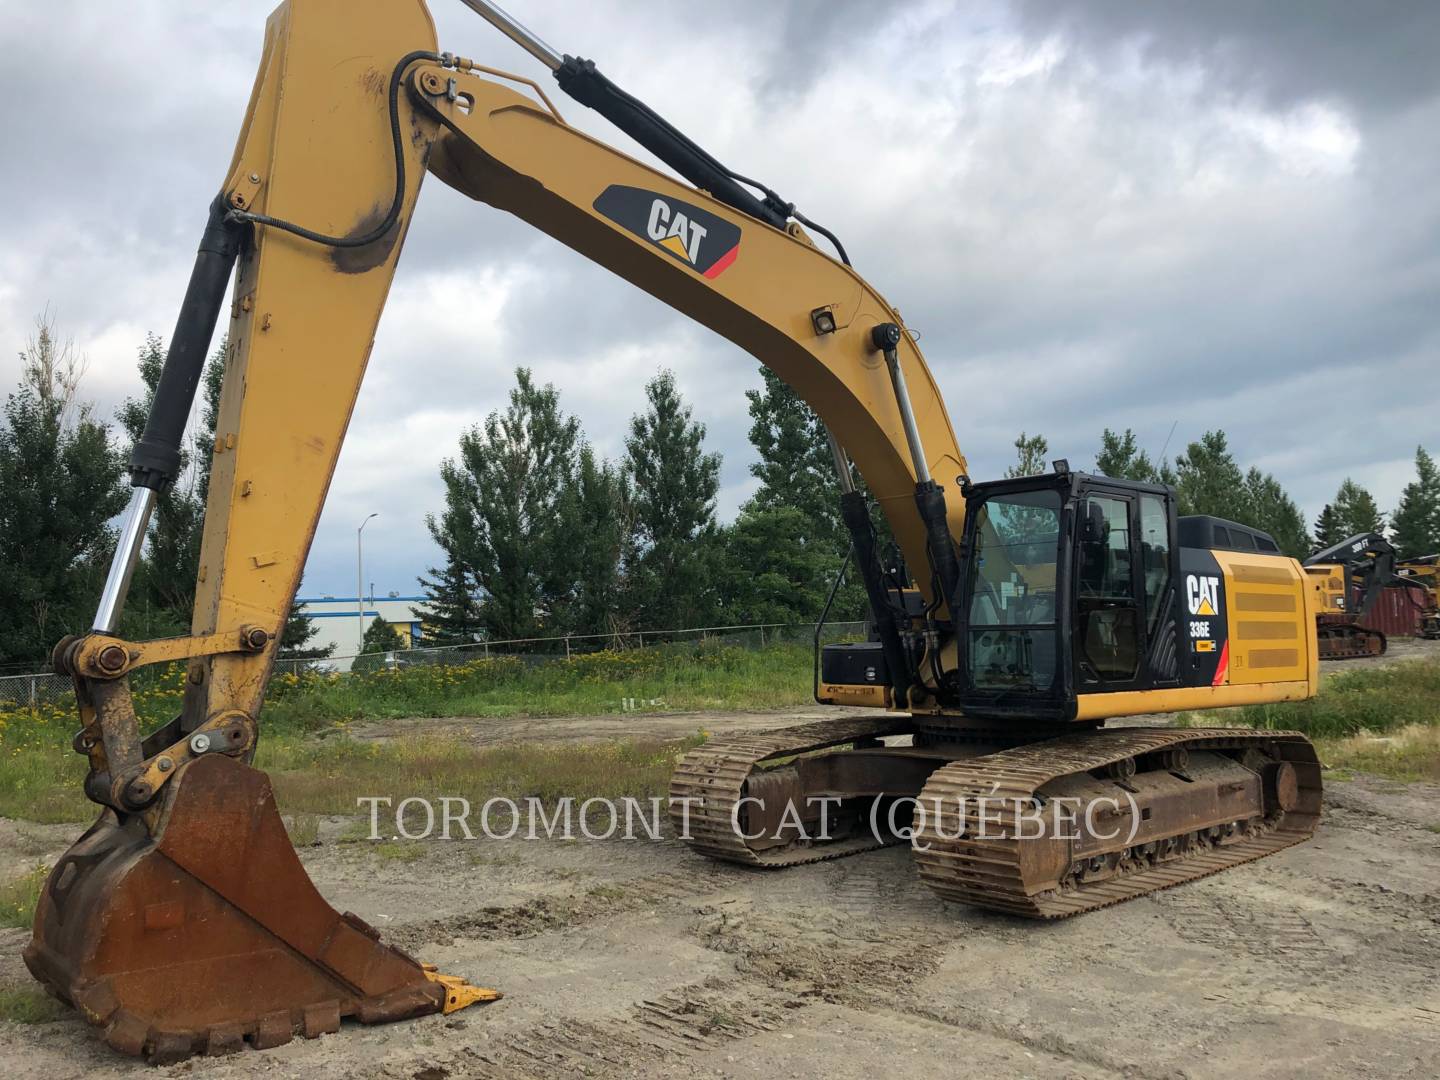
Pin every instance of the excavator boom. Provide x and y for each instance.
(183, 921)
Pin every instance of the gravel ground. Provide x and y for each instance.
(640, 959)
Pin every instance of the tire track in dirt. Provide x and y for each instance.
(1280, 937)
(546, 914)
(868, 955)
(672, 1027)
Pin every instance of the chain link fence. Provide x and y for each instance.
(35, 689)
(538, 650)
(32, 691)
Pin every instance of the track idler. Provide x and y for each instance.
(198, 930)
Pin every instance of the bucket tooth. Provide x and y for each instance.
(205, 932)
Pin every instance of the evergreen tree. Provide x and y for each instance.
(674, 485)
(1271, 510)
(1355, 511)
(60, 483)
(1208, 481)
(596, 516)
(380, 637)
(1416, 520)
(1328, 532)
(1030, 454)
(796, 468)
(502, 520)
(1121, 457)
(450, 614)
(296, 635)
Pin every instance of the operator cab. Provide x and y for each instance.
(1069, 587)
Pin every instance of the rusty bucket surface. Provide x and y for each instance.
(204, 931)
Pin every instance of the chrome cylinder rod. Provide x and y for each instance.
(498, 18)
(842, 464)
(907, 417)
(127, 554)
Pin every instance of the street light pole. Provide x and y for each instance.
(359, 581)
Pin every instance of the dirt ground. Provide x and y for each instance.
(640, 959)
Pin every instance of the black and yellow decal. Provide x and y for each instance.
(705, 243)
(1204, 622)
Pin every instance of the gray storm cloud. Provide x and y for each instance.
(1212, 215)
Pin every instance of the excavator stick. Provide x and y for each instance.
(206, 933)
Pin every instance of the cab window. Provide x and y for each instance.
(1107, 609)
(1012, 591)
(1154, 554)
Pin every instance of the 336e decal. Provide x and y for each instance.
(691, 234)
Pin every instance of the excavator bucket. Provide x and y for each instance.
(200, 931)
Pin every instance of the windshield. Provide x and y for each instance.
(1012, 591)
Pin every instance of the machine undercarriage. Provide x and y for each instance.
(1044, 829)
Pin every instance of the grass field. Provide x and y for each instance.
(316, 768)
(689, 677)
(1383, 720)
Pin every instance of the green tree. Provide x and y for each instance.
(450, 614)
(1208, 481)
(380, 637)
(1270, 509)
(1355, 511)
(1030, 454)
(796, 470)
(1327, 528)
(1121, 457)
(1416, 520)
(596, 514)
(60, 483)
(795, 467)
(295, 637)
(502, 517)
(775, 568)
(674, 484)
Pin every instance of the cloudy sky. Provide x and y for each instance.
(1201, 215)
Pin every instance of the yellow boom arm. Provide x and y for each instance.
(315, 150)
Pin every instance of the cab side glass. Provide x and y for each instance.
(1154, 554)
(1107, 609)
(1012, 592)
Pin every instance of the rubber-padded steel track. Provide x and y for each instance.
(991, 872)
(712, 777)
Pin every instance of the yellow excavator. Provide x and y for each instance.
(182, 921)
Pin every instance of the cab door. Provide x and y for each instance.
(1124, 589)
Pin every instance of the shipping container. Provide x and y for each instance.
(1397, 612)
